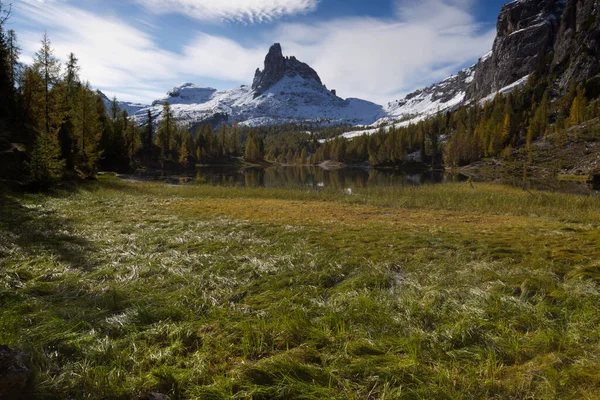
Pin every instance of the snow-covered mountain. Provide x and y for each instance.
(131, 108)
(438, 97)
(287, 90)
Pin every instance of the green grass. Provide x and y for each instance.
(201, 292)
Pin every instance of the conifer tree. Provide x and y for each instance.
(235, 145)
(303, 157)
(184, 154)
(165, 134)
(48, 66)
(70, 89)
(46, 163)
(87, 130)
(148, 133)
(14, 51)
(253, 147)
(6, 78)
(133, 142)
(577, 114)
(223, 144)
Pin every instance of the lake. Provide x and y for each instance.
(343, 178)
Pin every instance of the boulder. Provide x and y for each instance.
(14, 374)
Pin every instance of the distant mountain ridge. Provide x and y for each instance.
(530, 33)
(285, 91)
(130, 107)
(288, 90)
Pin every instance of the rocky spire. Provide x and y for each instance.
(276, 67)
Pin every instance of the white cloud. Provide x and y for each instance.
(381, 59)
(370, 58)
(253, 11)
(121, 59)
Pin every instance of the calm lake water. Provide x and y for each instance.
(344, 179)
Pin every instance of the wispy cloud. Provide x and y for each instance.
(382, 59)
(253, 11)
(370, 58)
(119, 58)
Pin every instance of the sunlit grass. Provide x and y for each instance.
(444, 291)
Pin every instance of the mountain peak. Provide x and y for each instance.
(276, 67)
(275, 51)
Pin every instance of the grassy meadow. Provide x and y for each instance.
(119, 289)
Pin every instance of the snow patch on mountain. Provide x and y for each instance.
(435, 98)
(292, 99)
(421, 104)
(505, 90)
(131, 108)
(187, 93)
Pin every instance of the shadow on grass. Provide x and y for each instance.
(41, 232)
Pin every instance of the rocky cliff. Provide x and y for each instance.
(577, 47)
(526, 34)
(276, 67)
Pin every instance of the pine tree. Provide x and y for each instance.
(70, 96)
(223, 145)
(235, 146)
(148, 133)
(289, 157)
(303, 157)
(184, 154)
(577, 114)
(132, 138)
(48, 67)
(14, 51)
(45, 165)
(87, 130)
(253, 147)
(7, 82)
(165, 134)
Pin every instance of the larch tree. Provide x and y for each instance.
(46, 163)
(165, 134)
(184, 154)
(577, 114)
(87, 129)
(48, 66)
(70, 89)
(235, 146)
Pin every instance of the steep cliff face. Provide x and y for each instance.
(577, 48)
(527, 31)
(276, 67)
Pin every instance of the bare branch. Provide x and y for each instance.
(5, 13)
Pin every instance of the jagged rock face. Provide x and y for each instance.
(527, 31)
(577, 48)
(276, 67)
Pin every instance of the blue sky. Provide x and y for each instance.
(377, 50)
